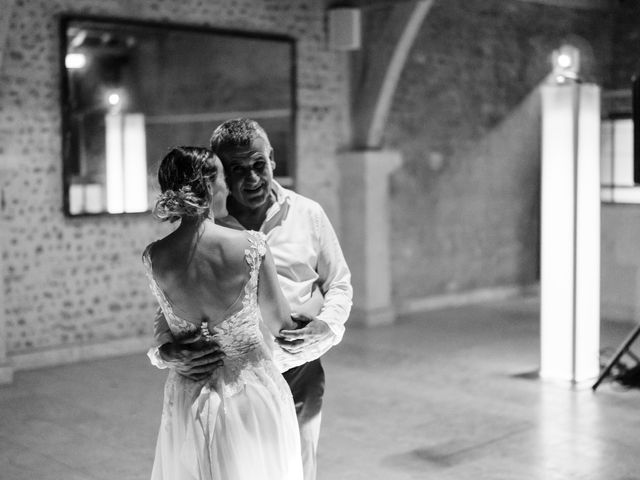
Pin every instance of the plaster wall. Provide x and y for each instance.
(465, 204)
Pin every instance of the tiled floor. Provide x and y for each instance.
(440, 395)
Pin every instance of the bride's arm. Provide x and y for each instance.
(273, 305)
(276, 314)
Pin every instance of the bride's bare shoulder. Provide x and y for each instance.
(228, 244)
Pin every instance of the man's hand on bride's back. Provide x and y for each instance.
(312, 331)
(192, 360)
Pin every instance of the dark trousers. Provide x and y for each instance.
(307, 386)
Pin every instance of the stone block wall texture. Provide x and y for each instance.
(70, 281)
(465, 204)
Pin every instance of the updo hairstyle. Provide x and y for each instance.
(183, 176)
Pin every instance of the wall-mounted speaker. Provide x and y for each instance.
(344, 28)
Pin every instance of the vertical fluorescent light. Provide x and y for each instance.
(115, 167)
(135, 163)
(570, 232)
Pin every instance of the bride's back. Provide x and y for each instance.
(202, 271)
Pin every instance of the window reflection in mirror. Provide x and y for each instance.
(131, 91)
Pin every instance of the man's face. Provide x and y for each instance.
(249, 171)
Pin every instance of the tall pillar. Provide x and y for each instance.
(364, 200)
(570, 232)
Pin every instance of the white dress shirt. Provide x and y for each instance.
(313, 273)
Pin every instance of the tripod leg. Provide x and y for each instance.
(634, 356)
(623, 348)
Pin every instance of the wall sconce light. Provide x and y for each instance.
(566, 64)
(344, 28)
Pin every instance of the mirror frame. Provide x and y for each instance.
(70, 157)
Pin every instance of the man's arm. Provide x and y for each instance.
(336, 279)
(320, 332)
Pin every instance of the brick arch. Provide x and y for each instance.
(374, 94)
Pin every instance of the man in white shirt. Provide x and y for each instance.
(313, 274)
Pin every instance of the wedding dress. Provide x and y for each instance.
(240, 423)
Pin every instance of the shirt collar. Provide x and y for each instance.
(280, 194)
(278, 211)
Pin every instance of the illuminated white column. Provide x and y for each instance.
(570, 232)
(135, 163)
(115, 162)
(126, 168)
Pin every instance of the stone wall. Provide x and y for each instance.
(79, 281)
(465, 205)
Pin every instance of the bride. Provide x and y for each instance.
(215, 284)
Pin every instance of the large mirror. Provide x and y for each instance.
(132, 90)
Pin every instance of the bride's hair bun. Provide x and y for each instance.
(183, 176)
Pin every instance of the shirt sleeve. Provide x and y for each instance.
(286, 361)
(334, 278)
(161, 335)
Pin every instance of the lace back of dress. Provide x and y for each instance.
(240, 332)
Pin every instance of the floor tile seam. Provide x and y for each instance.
(491, 442)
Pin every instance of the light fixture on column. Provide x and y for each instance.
(115, 99)
(566, 64)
